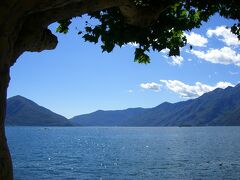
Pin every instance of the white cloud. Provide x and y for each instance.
(192, 91)
(153, 86)
(224, 55)
(196, 39)
(165, 51)
(177, 60)
(166, 57)
(133, 44)
(233, 73)
(130, 91)
(225, 35)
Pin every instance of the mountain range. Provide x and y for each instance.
(24, 112)
(220, 107)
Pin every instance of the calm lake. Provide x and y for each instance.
(125, 153)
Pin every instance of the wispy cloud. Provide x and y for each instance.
(152, 86)
(165, 51)
(233, 73)
(133, 44)
(196, 39)
(177, 60)
(192, 91)
(130, 91)
(224, 34)
(224, 55)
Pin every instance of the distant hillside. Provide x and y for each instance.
(220, 107)
(217, 108)
(106, 118)
(24, 112)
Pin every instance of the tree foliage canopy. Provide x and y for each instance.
(166, 31)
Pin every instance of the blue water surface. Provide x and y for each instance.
(125, 153)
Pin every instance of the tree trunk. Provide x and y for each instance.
(6, 170)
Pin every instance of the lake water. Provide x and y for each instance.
(125, 153)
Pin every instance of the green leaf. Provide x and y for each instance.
(141, 57)
(63, 26)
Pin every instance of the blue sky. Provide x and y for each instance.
(77, 78)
